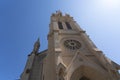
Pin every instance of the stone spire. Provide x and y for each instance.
(36, 46)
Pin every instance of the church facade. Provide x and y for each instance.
(71, 55)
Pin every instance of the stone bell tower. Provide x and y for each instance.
(71, 55)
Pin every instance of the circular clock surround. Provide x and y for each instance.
(72, 44)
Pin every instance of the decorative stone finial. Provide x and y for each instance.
(36, 46)
(59, 13)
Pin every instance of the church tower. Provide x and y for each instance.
(71, 55)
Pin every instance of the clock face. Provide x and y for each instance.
(72, 44)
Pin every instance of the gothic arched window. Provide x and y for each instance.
(60, 25)
(68, 25)
(61, 74)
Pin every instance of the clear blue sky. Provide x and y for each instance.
(23, 21)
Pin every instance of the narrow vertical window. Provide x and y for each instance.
(61, 73)
(68, 25)
(60, 25)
